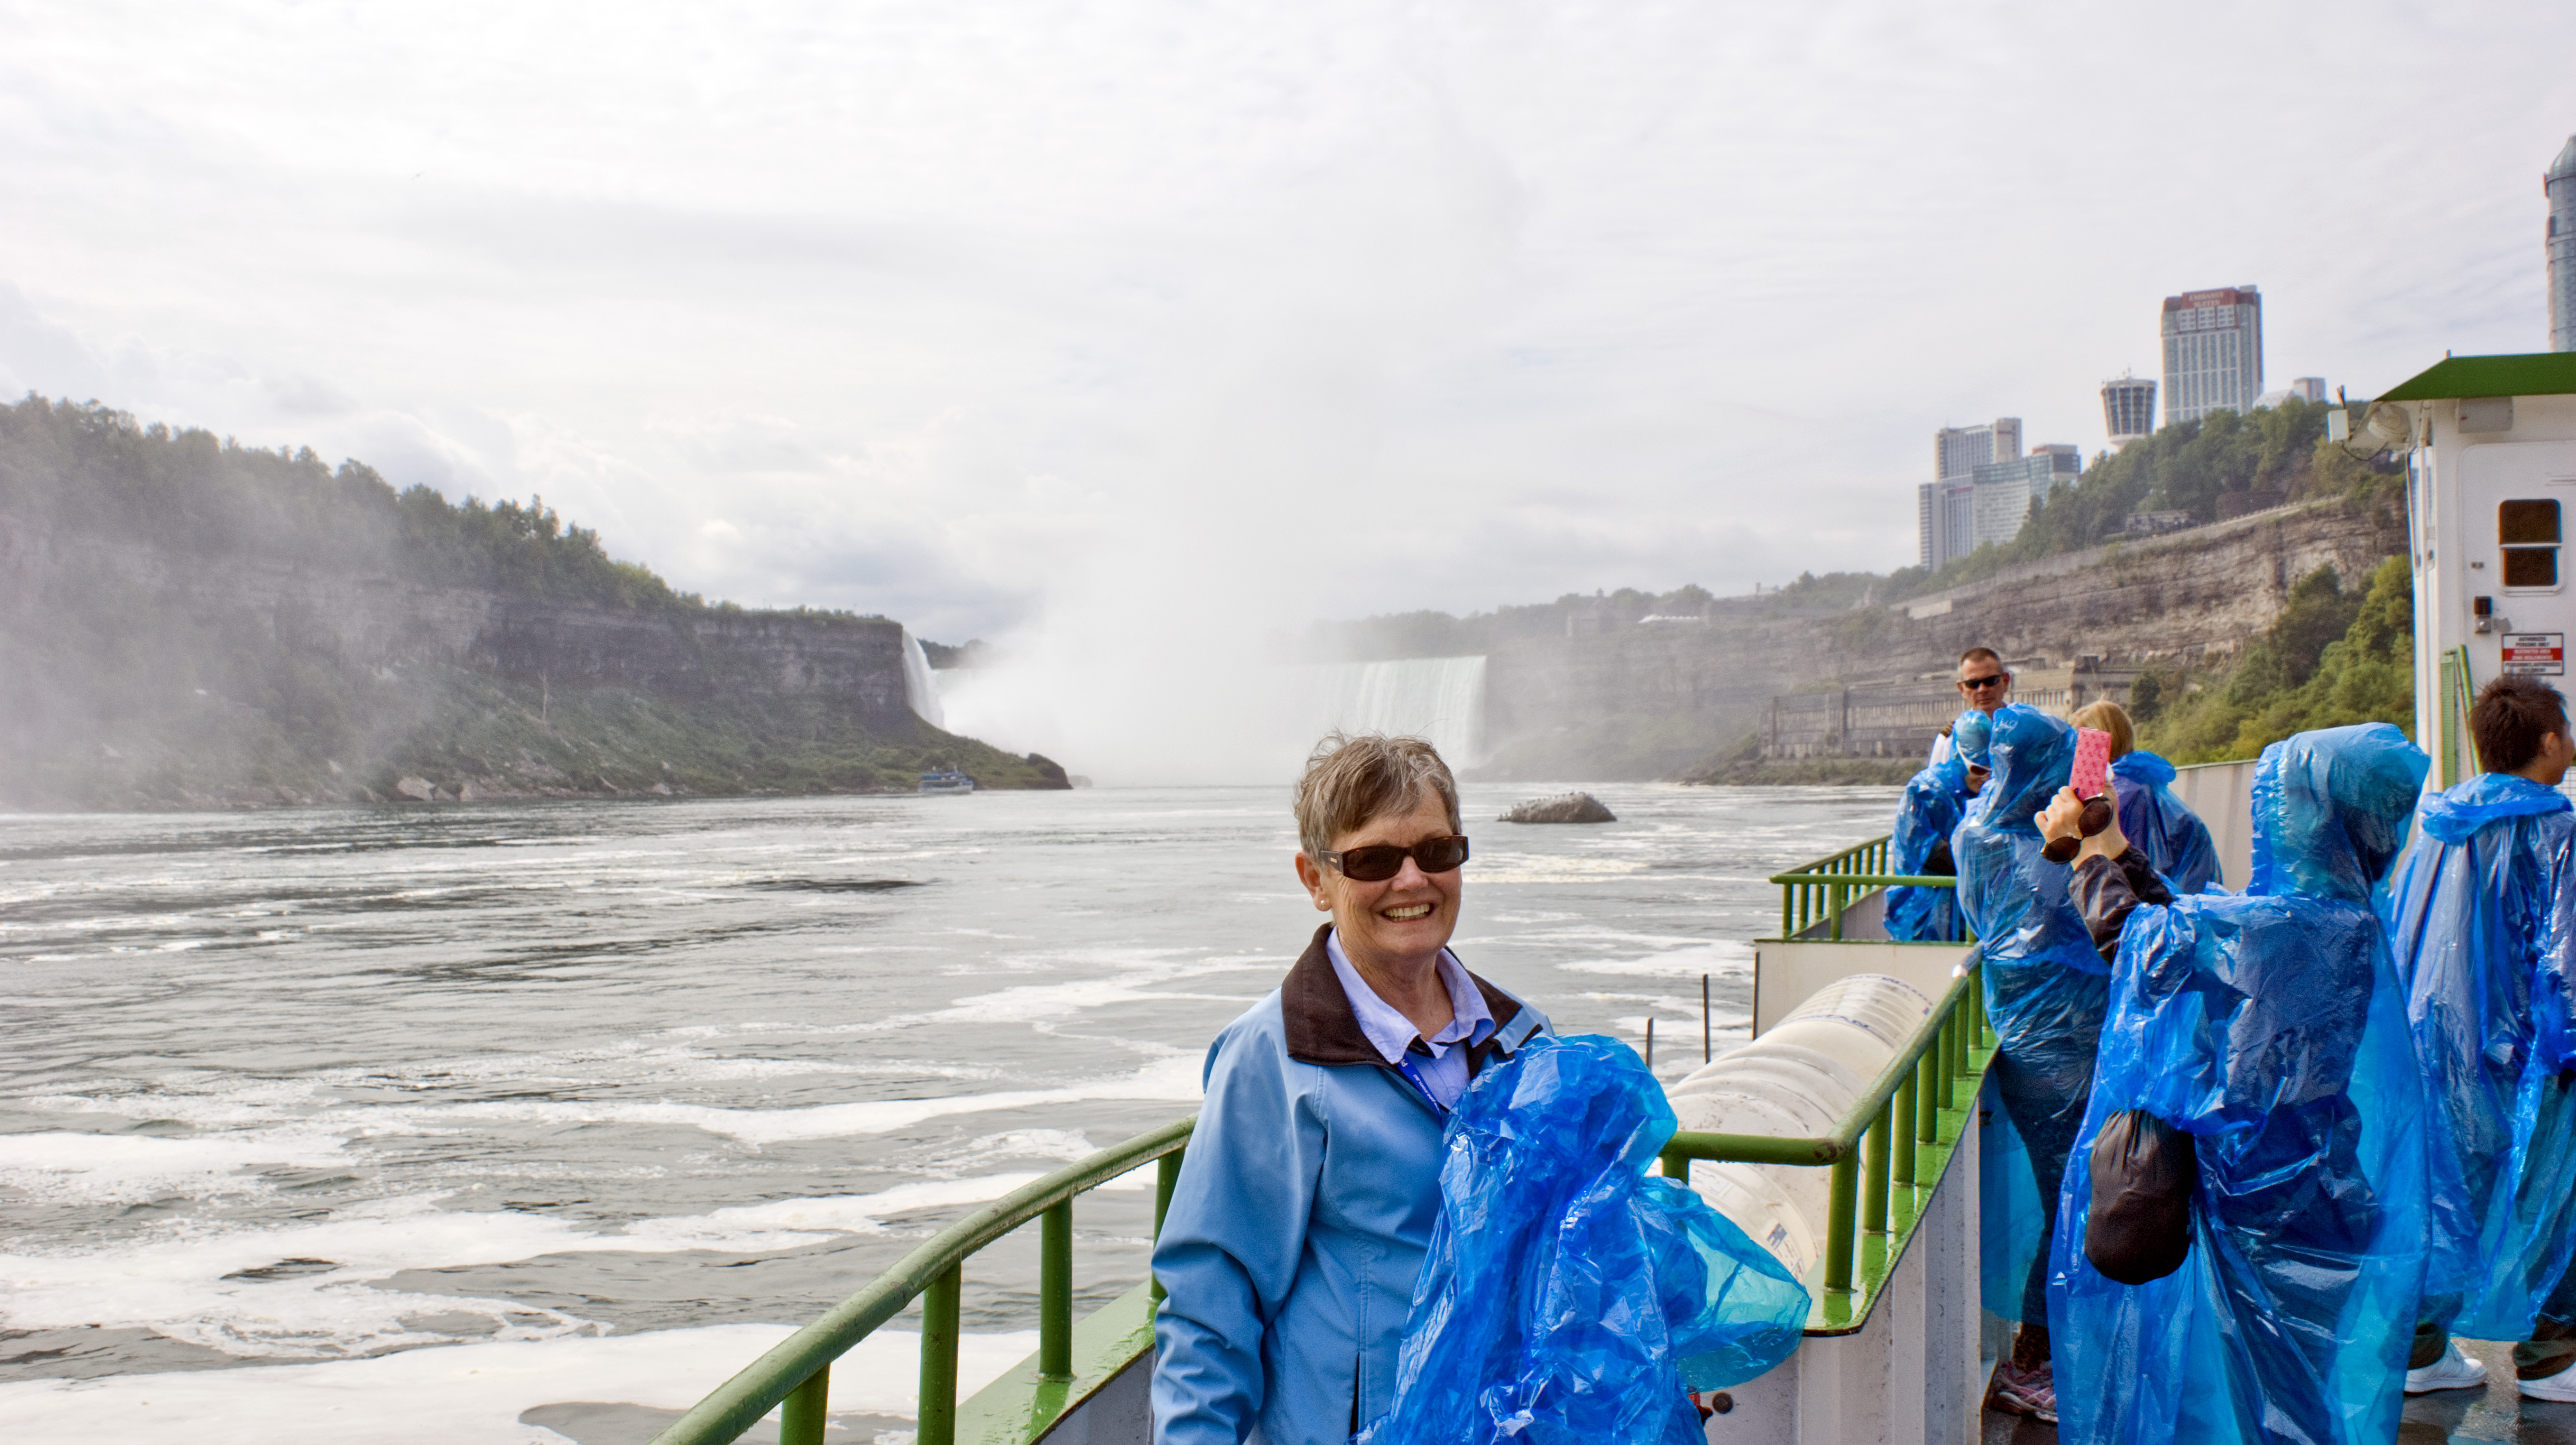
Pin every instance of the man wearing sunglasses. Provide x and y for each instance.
(1982, 679)
(1305, 1203)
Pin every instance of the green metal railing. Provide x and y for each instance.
(1823, 890)
(797, 1374)
(1888, 1153)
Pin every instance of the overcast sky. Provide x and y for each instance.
(1046, 318)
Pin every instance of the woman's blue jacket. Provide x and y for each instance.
(1299, 1221)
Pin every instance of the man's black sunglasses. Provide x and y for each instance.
(1378, 862)
(1992, 679)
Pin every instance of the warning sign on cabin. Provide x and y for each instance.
(2535, 654)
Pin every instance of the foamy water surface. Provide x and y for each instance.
(534, 1122)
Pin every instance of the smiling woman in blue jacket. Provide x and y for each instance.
(1306, 1200)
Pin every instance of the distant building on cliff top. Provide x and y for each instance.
(2301, 388)
(2128, 408)
(1946, 507)
(2213, 352)
(2560, 187)
(1985, 488)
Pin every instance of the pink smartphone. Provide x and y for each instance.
(2092, 761)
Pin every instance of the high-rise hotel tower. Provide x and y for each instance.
(2213, 352)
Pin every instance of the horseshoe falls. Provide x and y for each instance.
(1439, 698)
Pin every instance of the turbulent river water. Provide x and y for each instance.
(527, 1123)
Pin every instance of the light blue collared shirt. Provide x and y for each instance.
(1443, 1069)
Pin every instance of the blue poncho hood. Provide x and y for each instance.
(2450, 817)
(1968, 736)
(2143, 768)
(2331, 809)
(2033, 756)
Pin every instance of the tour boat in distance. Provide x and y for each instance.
(947, 780)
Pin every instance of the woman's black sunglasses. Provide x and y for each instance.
(1378, 862)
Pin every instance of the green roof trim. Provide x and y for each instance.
(2458, 378)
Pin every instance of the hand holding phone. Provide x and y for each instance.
(2091, 782)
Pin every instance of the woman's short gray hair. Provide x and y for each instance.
(1350, 779)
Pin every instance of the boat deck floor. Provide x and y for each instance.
(2492, 1412)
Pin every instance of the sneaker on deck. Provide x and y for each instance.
(2456, 1371)
(2560, 1386)
(2024, 1392)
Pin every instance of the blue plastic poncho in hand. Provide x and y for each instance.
(1934, 802)
(2481, 916)
(2171, 835)
(2044, 985)
(1569, 1298)
(2268, 1026)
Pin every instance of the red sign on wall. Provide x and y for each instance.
(2535, 654)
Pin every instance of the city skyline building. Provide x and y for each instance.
(2003, 491)
(1946, 506)
(2213, 345)
(2559, 185)
(2128, 408)
(1986, 488)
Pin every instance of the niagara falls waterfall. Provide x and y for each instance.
(1439, 698)
(920, 688)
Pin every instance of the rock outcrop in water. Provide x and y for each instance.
(1563, 808)
(189, 623)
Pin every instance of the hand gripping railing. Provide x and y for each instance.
(1831, 884)
(797, 1372)
(1892, 1145)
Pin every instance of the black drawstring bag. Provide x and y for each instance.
(2143, 1171)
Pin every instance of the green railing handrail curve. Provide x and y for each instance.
(1898, 1111)
(1844, 1140)
(803, 1357)
(1868, 880)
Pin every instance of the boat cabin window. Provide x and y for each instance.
(2528, 531)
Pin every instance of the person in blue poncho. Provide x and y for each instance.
(2479, 917)
(2044, 988)
(2170, 835)
(1935, 801)
(2256, 1092)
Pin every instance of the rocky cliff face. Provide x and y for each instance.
(138, 676)
(1650, 700)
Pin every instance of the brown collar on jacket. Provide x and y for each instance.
(1322, 1029)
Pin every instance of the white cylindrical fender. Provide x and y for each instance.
(1797, 1081)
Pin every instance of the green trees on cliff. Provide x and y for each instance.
(2333, 656)
(91, 469)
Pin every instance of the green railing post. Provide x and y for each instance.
(1927, 1099)
(1875, 1156)
(1167, 1173)
(1905, 1121)
(937, 1417)
(800, 1415)
(1839, 1235)
(1834, 910)
(1055, 1292)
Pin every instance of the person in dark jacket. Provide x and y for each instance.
(2479, 915)
(1307, 1198)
